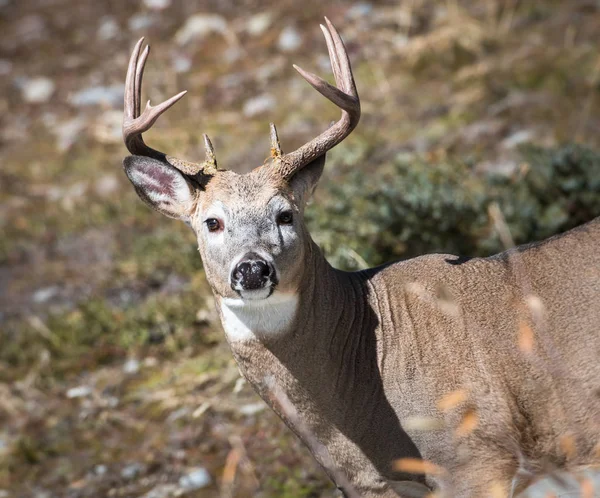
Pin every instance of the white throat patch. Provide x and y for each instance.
(245, 320)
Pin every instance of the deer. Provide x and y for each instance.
(439, 374)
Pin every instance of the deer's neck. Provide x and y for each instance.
(328, 302)
(321, 349)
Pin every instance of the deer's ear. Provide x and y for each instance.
(305, 181)
(160, 186)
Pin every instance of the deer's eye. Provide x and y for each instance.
(213, 224)
(285, 218)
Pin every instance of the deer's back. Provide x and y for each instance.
(518, 332)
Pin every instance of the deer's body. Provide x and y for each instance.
(382, 348)
(358, 363)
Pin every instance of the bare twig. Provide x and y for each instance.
(317, 448)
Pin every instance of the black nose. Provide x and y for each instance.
(251, 273)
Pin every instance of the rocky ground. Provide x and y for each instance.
(115, 378)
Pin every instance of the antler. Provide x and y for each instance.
(134, 123)
(344, 96)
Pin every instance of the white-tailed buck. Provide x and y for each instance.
(437, 373)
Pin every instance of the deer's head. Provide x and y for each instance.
(250, 228)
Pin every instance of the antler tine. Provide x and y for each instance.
(136, 123)
(131, 97)
(139, 74)
(333, 57)
(337, 46)
(344, 96)
(275, 143)
(211, 159)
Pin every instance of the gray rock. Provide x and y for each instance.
(178, 414)
(100, 470)
(67, 132)
(79, 392)
(140, 22)
(95, 95)
(502, 166)
(111, 401)
(106, 185)
(259, 23)
(289, 39)
(108, 29)
(131, 366)
(181, 63)
(157, 4)
(361, 9)
(258, 105)
(132, 470)
(163, 491)
(45, 294)
(252, 408)
(197, 478)
(42, 493)
(517, 139)
(199, 26)
(38, 90)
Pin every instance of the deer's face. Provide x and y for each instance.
(250, 228)
(250, 234)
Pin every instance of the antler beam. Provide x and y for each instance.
(136, 123)
(344, 96)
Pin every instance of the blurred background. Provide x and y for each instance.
(114, 376)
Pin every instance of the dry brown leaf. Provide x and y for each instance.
(587, 488)
(498, 490)
(536, 307)
(231, 465)
(417, 466)
(597, 450)
(452, 400)
(423, 424)
(567, 446)
(526, 338)
(467, 424)
(79, 484)
(446, 301)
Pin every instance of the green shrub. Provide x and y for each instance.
(409, 207)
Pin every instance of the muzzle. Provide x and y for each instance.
(252, 273)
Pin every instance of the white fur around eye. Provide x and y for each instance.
(279, 204)
(216, 210)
